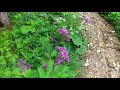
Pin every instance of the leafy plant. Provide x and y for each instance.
(34, 39)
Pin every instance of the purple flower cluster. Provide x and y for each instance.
(64, 32)
(62, 56)
(44, 66)
(87, 20)
(22, 65)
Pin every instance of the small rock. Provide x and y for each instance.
(99, 33)
(112, 65)
(110, 38)
(107, 45)
(117, 69)
(113, 32)
(90, 44)
(105, 34)
(98, 51)
(86, 64)
(118, 65)
(101, 44)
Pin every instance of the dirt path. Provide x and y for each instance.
(102, 58)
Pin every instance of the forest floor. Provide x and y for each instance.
(102, 57)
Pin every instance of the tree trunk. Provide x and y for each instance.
(4, 20)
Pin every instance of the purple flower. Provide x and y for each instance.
(44, 66)
(23, 62)
(67, 59)
(16, 65)
(67, 39)
(51, 39)
(20, 60)
(60, 48)
(23, 67)
(64, 32)
(63, 55)
(87, 20)
(58, 61)
(28, 66)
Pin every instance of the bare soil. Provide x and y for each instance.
(102, 57)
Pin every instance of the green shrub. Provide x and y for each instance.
(30, 41)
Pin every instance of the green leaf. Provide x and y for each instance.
(2, 60)
(43, 29)
(63, 75)
(13, 58)
(8, 54)
(7, 73)
(28, 55)
(35, 74)
(41, 72)
(19, 43)
(27, 73)
(81, 50)
(49, 67)
(72, 73)
(16, 73)
(54, 53)
(25, 29)
(30, 74)
(77, 39)
(60, 71)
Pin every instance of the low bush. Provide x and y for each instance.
(42, 45)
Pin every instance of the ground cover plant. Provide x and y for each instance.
(114, 19)
(42, 45)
